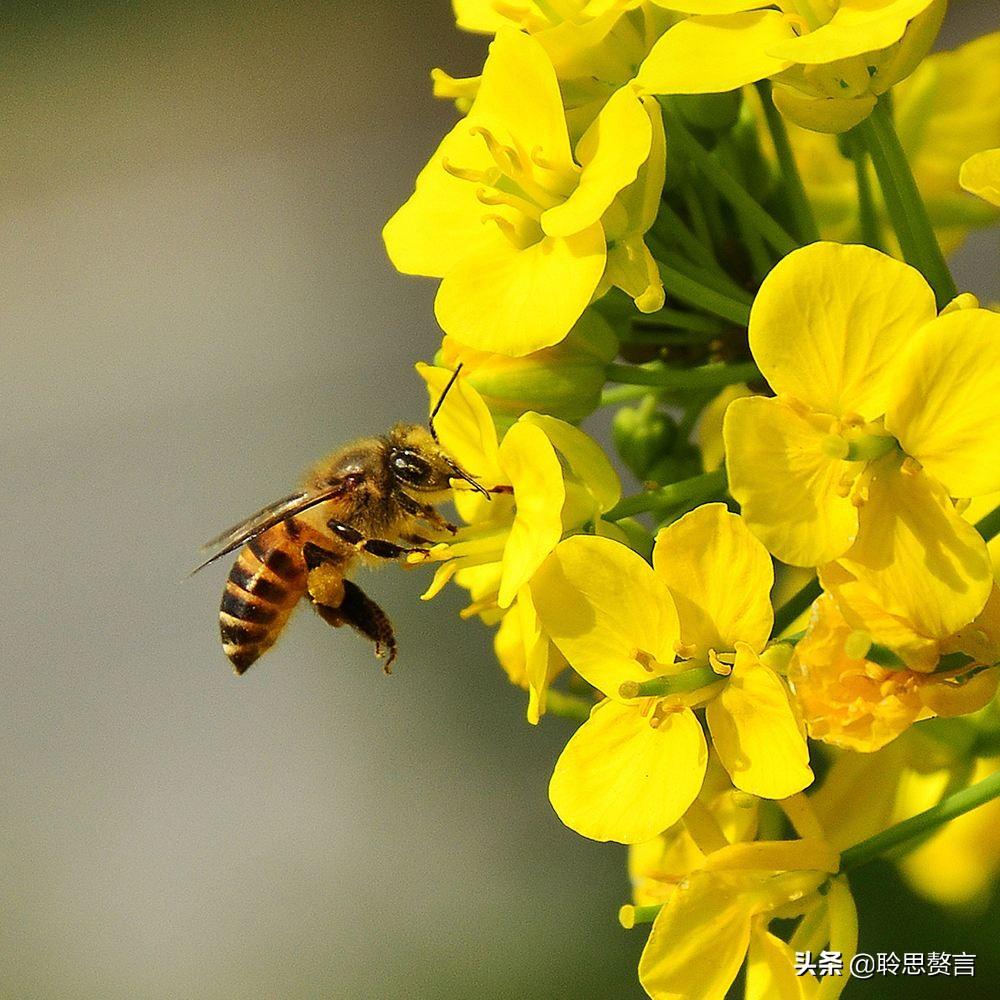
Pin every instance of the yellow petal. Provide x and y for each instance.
(699, 939)
(947, 409)
(698, 557)
(517, 67)
(536, 475)
(441, 222)
(708, 432)
(771, 969)
(926, 565)
(788, 488)
(632, 268)
(980, 175)
(610, 152)
(859, 603)
(707, 55)
(621, 779)
(543, 662)
(514, 301)
(464, 425)
(822, 114)
(756, 733)
(478, 15)
(858, 26)
(830, 321)
(601, 603)
(584, 456)
(713, 6)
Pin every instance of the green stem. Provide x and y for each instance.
(903, 202)
(677, 319)
(795, 605)
(760, 259)
(947, 809)
(673, 226)
(694, 293)
(742, 203)
(567, 705)
(623, 394)
(696, 215)
(871, 234)
(716, 279)
(989, 526)
(795, 192)
(706, 485)
(713, 376)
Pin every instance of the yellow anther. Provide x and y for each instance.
(505, 157)
(684, 650)
(489, 177)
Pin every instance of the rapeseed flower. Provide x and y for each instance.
(524, 230)
(636, 765)
(883, 412)
(829, 59)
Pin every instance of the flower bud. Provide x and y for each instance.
(710, 112)
(643, 436)
(564, 380)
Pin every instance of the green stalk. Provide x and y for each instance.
(568, 706)
(614, 395)
(713, 376)
(673, 226)
(742, 203)
(693, 293)
(795, 605)
(708, 484)
(989, 526)
(871, 234)
(696, 214)
(903, 202)
(716, 279)
(795, 192)
(677, 319)
(947, 809)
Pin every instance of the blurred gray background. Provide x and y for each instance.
(194, 305)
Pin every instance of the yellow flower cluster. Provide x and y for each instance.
(804, 573)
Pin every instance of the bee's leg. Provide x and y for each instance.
(379, 547)
(423, 511)
(359, 611)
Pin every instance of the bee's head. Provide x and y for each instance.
(417, 462)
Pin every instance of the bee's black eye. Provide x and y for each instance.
(411, 468)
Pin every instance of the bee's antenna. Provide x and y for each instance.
(437, 405)
(459, 473)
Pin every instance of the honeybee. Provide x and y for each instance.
(373, 498)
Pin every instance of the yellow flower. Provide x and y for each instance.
(595, 46)
(564, 381)
(851, 701)
(557, 481)
(943, 114)
(720, 814)
(522, 234)
(829, 59)
(980, 174)
(636, 765)
(883, 412)
(718, 917)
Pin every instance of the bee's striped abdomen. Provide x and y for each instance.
(264, 585)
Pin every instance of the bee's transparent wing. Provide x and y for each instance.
(281, 510)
